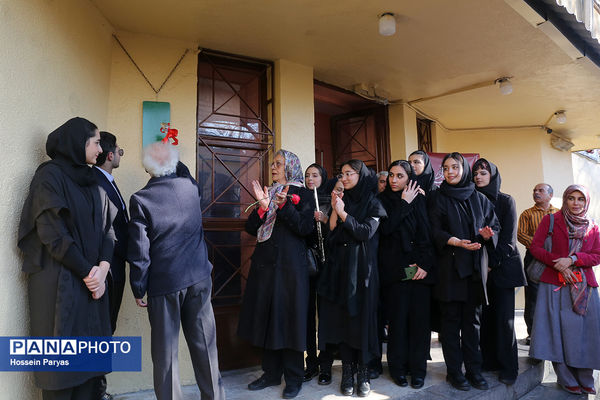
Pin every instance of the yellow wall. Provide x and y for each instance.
(294, 110)
(403, 131)
(55, 65)
(128, 89)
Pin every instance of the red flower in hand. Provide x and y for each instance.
(295, 199)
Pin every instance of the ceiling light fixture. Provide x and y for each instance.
(505, 85)
(561, 116)
(387, 24)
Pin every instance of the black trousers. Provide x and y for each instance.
(286, 362)
(498, 339)
(325, 358)
(409, 337)
(81, 392)
(351, 355)
(460, 327)
(531, 291)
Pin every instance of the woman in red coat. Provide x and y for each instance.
(566, 325)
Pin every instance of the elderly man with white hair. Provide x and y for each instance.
(169, 264)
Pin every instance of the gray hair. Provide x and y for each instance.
(382, 173)
(160, 159)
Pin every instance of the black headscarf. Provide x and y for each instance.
(463, 189)
(357, 199)
(326, 186)
(388, 197)
(427, 178)
(66, 147)
(493, 188)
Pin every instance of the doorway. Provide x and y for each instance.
(349, 126)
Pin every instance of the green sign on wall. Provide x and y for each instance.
(155, 114)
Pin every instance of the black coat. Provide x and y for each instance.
(505, 260)
(274, 309)
(65, 230)
(456, 266)
(404, 239)
(346, 318)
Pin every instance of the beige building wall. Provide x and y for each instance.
(55, 65)
(295, 110)
(128, 89)
(587, 172)
(403, 131)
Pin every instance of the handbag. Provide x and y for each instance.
(312, 257)
(536, 268)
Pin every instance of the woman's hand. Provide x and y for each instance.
(334, 196)
(262, 195)
(569, 276)
(420, 274)
(141, 303)
(563, 263)
(410, 191)
(320, 216)
(339, 208)
(281, 197)
(99, 292)
(486, 233)
(97, 276)
(464, 243)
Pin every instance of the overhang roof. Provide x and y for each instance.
(439, 46)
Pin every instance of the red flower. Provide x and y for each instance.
(295, 199)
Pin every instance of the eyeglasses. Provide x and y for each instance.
(121, 152)
(347, 174)
(276, 164)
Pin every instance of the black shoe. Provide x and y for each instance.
(291, 390)
(325, 378)
(310, 373)
(417, 383)
(528, 341)
(363, 386)
(373, 373)
(400, 380)
(477, 381)
(347, 385)
(507, 379)
(263, 382)
(458, 382)
(106, 396)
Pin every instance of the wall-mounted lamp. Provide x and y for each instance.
(561, 116)
(505, 85)
(387, 24)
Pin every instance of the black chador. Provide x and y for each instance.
(65, 230)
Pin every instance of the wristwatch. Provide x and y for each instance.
(573, 258)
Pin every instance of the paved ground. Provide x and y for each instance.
(526, 387)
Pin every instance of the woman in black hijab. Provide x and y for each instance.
(424, 173)
(67, 241)
(405, 249)
(316, 177)
(498, 340)
(349, 283)
(463, 225)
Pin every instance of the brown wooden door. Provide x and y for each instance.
(235, 141)
(362, 135)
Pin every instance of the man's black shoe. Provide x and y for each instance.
(417, 383)
(263, 382)
(458, 382)
(310, 373)
(477, 381)
(291, 391)
(325, 378)
(400, 380)
(373, 373)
